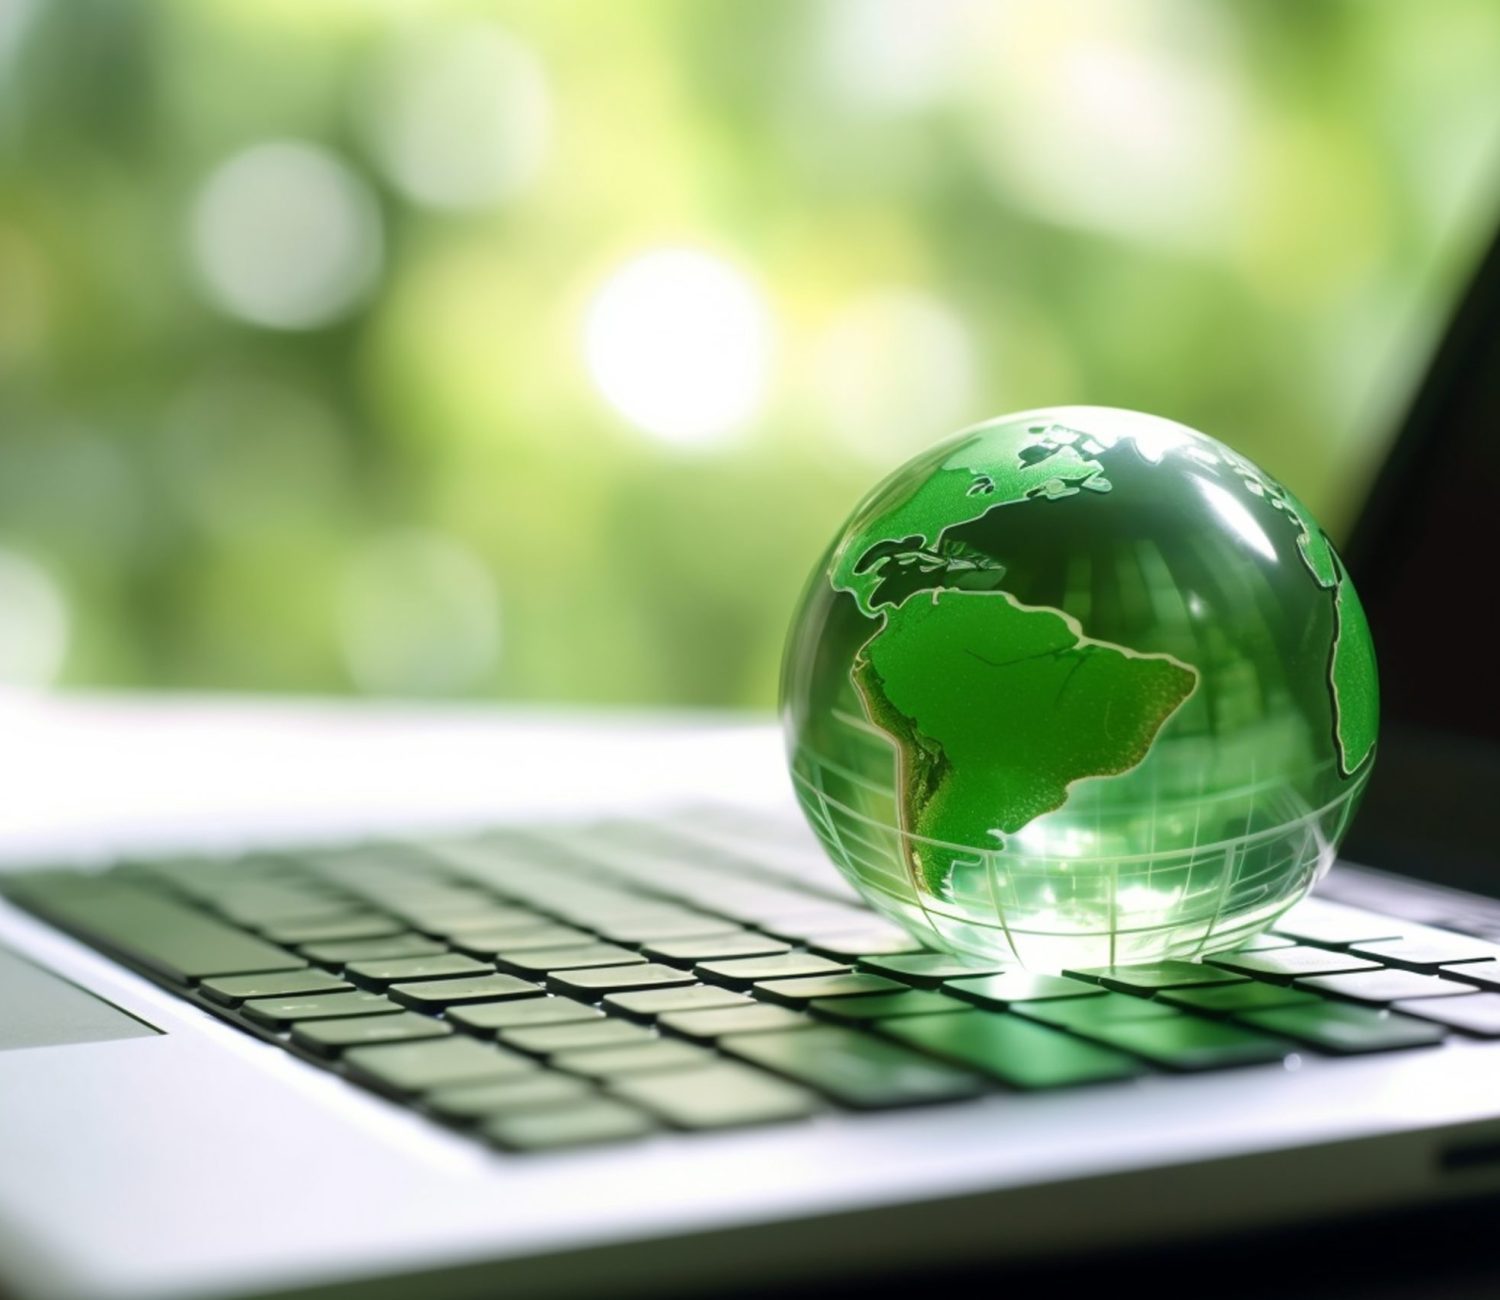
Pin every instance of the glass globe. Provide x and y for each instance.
(1080, 687)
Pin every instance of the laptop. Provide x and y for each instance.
(635, 1036)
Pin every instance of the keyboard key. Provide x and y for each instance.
(1225, 999)
(1015, 1051)
(585, 1124)
(719, 1022)
(799, 992)
(1188, 1043)
(1082, 1014)
(489, 945)
(637, 1058)
(742, 943)
(742, 972)
(1151, 976)
(434, 995)
(909, 1002)
(930, 969)
(885, 941)
(589, 903)
(1317, 920)
(495, 919)
(1386, 986)
(1481, 974)
(1287, 964)
(545, 960)
(365, 925)
(535, 1091)
(810, 923)
(254, 904)
(393, 970)
(277, 1013)
(406, 1068)
(1018, 986)
(170, 938)
(1427, 951)
(1264, 942)
(237, 874)
(1479, 1014)
(329, 1037)
(647, 929)
(775, 910)
(1337, 1027)
(437, 911)
(547, 1040)
(720, 1095)
(651, 1003)
(186, 874)
(488, 1018)
(393, 945)
(413, 888)
(596, 981)
(853, 1068)
(231, 990)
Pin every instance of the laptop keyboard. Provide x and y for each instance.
(562, 988)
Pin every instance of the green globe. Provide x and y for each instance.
(1080, 687)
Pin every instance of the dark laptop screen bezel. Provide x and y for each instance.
(1422, 557)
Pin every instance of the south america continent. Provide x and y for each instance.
(996, 708)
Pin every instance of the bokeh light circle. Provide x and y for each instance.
(34, 622)
(892, 56)
(1124, 116)
(284, 235)
(679, 342)
(459, 116)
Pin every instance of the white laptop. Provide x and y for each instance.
(295, 1001)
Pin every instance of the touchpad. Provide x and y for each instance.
(37, 1009)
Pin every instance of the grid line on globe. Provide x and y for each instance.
(1080, 687)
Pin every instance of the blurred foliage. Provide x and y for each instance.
(361, 442)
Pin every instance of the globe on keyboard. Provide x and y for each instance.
(1080, 686)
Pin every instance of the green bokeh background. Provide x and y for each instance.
(1249, 217)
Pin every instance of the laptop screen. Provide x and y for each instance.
(1424, 559)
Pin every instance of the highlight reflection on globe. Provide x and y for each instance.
(1080, 687)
